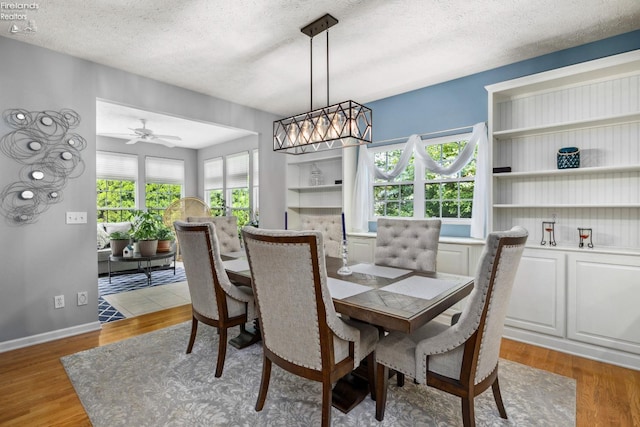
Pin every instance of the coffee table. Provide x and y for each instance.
(144, 264)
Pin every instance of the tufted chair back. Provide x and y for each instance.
(407, 243)
(301, 331)
(331, 228)
(226, 229)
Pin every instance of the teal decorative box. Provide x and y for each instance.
(568, 157)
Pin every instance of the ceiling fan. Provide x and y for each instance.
(146, 135)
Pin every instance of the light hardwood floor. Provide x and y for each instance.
(35, 390)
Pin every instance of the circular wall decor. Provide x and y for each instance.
(26, 195)
(35, 146)
(37, 175)
(46, 120)
(66, 155)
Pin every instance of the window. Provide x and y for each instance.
(418, 192)
(227, 185)
(164, 182)
(393, 198)
(214, 185)
(449, 196)
(237, 185)
(256, 185)
(116, 176)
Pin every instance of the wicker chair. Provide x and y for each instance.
(306, 338)
(407, 243)
(215, 300)
(461, 359)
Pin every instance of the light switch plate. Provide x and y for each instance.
(76, 218)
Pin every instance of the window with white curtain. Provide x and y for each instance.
(420, 193)
(116, 177)
(164, 183)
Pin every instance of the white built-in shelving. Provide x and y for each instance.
(566, 297)
(305, 197)
(594, 106)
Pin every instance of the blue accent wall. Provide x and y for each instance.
(463, 101)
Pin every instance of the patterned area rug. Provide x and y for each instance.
(150, 381)
(131, 282)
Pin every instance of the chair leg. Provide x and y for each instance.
(264, 383)
(222, 351)
(192, 338)
(468, 413)
(371, 374)
(498, 398)
(399, 379)
(326, 403)
(382, 375)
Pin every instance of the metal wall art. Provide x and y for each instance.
(50, 153)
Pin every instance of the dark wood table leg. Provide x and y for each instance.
(350, 390)
(246, 337)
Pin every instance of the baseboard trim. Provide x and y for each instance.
(49, 336)
(563, 345)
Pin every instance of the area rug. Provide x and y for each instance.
(149, 381)
(131, 282)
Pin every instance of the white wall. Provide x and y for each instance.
(48, 258)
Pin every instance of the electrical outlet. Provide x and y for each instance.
(58, 301)
(83, 298)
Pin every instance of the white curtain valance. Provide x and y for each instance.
(367, 170)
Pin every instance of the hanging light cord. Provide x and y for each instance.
(311, 71)
(328, 67)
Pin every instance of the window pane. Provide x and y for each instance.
(449, 209)
(466, 190)
(216, 202)
(406, 208)
(432, 209)
(115, 200)
(465, 209)
(432, 191)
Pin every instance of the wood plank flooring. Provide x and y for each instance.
(35, 389)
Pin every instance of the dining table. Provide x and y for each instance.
(390, 298)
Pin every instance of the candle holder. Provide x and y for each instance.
(549, 227)
(344, 270)
(585, 233)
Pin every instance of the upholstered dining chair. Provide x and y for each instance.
(407, 243)
(461, 359)
(301, 331)
(226, 230)
(331, 228)
(215, 301)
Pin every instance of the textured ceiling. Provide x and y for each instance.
(252, 51)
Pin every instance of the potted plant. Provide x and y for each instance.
(145, 232)
(165, 237)
(118, 241)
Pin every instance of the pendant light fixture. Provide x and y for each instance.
(345, 124)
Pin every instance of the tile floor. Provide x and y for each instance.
(142, 301)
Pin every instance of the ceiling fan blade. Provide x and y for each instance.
(117, 135)
(172, 137)
(134, 140)
(163, 142)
